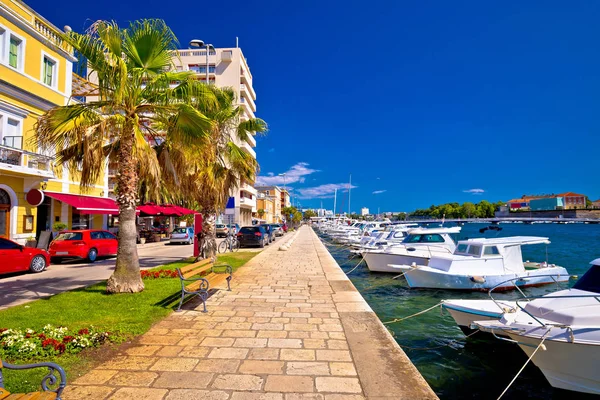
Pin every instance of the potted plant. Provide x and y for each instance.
(59, 226)
(142, 240)
(31, 242)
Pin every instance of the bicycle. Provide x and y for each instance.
(230, 243)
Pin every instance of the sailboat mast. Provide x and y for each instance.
(349, 189)
(334, 201)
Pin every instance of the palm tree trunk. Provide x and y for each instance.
(209, 236)
(126, 278)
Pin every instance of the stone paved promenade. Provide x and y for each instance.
(293, 327)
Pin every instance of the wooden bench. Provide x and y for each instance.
(49, 380)
(198, 278)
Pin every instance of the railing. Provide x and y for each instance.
(22, 158)
(249, 89)
(195, 53)
(52, 35)
(202, 69)
(15, 142)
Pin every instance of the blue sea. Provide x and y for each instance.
(460, 368)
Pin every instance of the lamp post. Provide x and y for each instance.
(197, 43)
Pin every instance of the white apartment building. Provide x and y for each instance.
(227, 67)
(364, 211)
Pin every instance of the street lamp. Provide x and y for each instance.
(199, 44)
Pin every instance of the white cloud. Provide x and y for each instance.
(270, 174)
(379, 191)
(323, 191)
(474, 191)
(295, 174)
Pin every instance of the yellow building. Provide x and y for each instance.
(267, 205)
(35, 75)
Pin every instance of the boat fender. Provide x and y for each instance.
(574, 277)
(478, 279)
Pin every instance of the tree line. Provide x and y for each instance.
(483, 209)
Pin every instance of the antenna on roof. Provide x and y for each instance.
(237, 42)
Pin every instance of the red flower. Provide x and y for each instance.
(68, 339)
(84, 331)
(3, 329)
(42, 336)
(60, 347)
(27, 335)
(50, 342)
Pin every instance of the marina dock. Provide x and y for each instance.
(292, 327)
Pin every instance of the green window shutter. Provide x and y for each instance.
(48, 71)
(13, 55)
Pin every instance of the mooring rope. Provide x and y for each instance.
(414, 315)
(360, 262)
(526, 362)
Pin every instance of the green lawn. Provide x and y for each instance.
(125, 315)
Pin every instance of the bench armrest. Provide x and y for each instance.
(49, 380)
(228, 268)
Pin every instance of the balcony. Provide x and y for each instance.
(247, 202)
(52, 35)
(25, 163)
(246, 106)
(248, 90)
(249, 188)
(251, 140)
(248, 149)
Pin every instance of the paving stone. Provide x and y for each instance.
(282, 383)
(256, 396)
(337, 335)
(238, 334)
(263, 354)
(333, 355)
(147, 350)
(298, 335)
(175, 364)
(196, 394)
(314, 343)
(307, 368)
(131, 378)
(95, 377)
(304, 396)
(339, 368)
(238, 382)
(285, 343)
(169, 351)
(272, 334)
(160, 339)
(218, 365)
(301, 327)
(209, 332)
(261, 367)
(183, 380)
(331, 328)
(217, 342)
(250, 342)
(73, 392)
(347, 397)
(228, 352)
(195, 352)
(268, 327)
(338, 385)
(297, 355)
(139, 394)
(337, 344)
(129, 362)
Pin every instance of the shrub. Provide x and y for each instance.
(164, 273)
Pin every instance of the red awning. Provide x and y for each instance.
(168, 210)
(87, 204)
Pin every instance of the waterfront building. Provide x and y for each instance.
(547, 203)
(265, 206)
(274, 193)
(596, 204)
(285, 199)
(572, 200)
(364, 211)
(36, 75)
(227, 67)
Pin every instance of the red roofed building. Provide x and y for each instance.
(572, 200)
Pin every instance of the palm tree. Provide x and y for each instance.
(135, 106)
(216, 168)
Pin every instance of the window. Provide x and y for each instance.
(7, 245)
(474, 250)
(433, 239)
(2, 41)
(15, 49)
(413, 239)
(462, 248)
(70, 236)
(49, 71)
(96, 235)
(108, 235)
(490, 251)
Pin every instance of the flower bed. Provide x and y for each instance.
(164, 273)
(50, 341)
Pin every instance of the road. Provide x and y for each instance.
(24, 287)
(21, 288)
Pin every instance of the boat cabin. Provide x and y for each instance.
(433, 236)
(491, 256)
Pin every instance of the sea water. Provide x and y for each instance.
(457, 367)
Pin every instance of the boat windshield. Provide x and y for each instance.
(590, 281)
(417, 238)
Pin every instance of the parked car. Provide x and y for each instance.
(182, 236)
(221, 230)
(277, 229)
(270, 233)
(234, 228)
(15, 257)
(88, 244)
(284, 227)
(252, 236)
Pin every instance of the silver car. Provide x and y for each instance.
(182, 236)
(277, 229)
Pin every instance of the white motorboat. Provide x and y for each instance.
(482, 264)
(568, 324)
(418, 247)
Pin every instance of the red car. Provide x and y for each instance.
(87, 244)
(15, 257)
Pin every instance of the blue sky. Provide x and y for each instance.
(423, 102)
